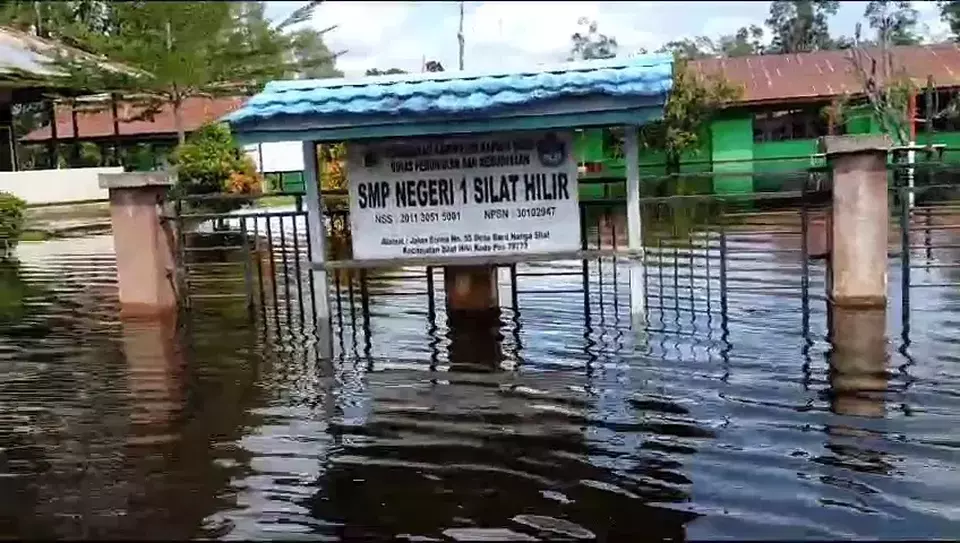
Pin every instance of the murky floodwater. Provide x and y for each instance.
(728, 417)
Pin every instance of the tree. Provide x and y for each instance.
(692, 103)
(388, 71)
(588, 43)
(746, 41)
(950, 14)
(896, 22)
(886, 87)
(800, 26)
(313, 58)
(690, 48)
(177, 50)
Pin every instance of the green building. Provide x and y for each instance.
(774, 126)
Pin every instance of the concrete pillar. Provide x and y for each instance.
(318, 248)
(471, 290)
(473, 316)
(631, 150)
(858, 361)
(860, 220)
(142, 243)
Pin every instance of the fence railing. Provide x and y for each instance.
(714, 266)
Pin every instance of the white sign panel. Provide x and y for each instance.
(463, 196)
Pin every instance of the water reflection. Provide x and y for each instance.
(746, 411)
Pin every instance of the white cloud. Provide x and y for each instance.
(514, 34)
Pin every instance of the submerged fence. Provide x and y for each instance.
(713, 264)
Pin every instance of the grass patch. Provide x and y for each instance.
(277, 201)
(35, 235)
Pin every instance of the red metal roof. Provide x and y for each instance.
(195, 112)
(765, 79)
(824, 74)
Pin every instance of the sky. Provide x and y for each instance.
(516, 34)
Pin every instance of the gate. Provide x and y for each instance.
(715, 266)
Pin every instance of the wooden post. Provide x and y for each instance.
(860, 220)
(54, 144)
(631, 147)
(318, 248)
(142, 242)
(76, 134)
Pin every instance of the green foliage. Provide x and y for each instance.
(389, 71)
(12, 210)
(895, 22)
(799, 26)
(176, 50)
(950, 14)
(210, 162)
(690, 106)
(588, 43)
(745, 41)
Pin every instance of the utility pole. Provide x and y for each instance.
(460, 36)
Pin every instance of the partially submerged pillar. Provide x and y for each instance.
(472, 292)
(318, 249)
(142, 242)
(631, 146)
(858, 361)
(858, 276)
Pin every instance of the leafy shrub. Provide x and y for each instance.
(12, 210)
(210, 162)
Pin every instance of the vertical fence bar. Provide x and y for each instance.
(182, 251)
(256, 252)
(431, 296)
(247, 270)
(631, 147)
(296, 262)
(585, 265)
(514, 296)
(905, 258)
(286, 270)
(805, 257)
(273, 273)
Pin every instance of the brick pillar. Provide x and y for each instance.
(142, 243)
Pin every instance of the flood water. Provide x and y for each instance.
(726, 417)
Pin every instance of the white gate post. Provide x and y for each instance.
(318, 246)
(631, 152)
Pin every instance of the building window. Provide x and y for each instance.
(945, 111)
(791, 124)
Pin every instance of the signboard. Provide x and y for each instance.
(463, 196)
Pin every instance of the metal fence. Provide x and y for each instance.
(713, 265)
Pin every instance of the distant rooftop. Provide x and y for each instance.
(803, 77)
(25, 60)
(97, 124)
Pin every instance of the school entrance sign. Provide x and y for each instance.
(491, 194)
(467, 171)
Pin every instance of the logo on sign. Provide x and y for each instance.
(552, 152)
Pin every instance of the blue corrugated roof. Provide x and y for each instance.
(459, 93)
